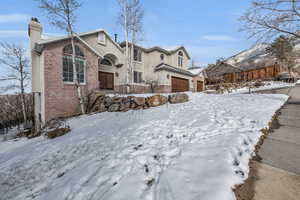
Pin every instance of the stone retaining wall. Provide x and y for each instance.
(103, 103)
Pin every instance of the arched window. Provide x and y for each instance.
(162, 56)
(106, 62)
(68, 50)
(180, 59)
(68, 72)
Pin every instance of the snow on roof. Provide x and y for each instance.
(196, 71)
(48, 39)
(167, 67)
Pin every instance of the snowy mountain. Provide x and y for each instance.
(255, 54)
(258, 56)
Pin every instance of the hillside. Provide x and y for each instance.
(182, 151)
(258, 56)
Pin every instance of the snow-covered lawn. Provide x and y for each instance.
(269, 85)
(195, 150)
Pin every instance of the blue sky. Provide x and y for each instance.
(208, 29)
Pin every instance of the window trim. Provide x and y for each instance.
(103, 42)
(84, 71)
(70, 54)
(112, 64)
(141, 77)
(139, 50)
(180, 59)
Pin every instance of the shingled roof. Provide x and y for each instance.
(170, 68)
(221, 69)
(160, 49)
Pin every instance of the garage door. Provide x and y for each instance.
(199, 86)
(180, 84)
(106, 80)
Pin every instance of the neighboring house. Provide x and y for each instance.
(101, 65)
(199, 79)
(225, 72)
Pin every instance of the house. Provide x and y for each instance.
(101, 65)
(228, 73)
(221, 72)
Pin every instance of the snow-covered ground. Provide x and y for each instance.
(269, 85)
(195, 150)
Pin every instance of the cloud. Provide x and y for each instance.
(218, 38)
(12, 33)
(14, 18)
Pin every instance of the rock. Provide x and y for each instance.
(139, 100)
(55, 128)
(102, 108)
(99, 107)
(57, 132)
(156, 100)
(139, 107)
(178, 98)
(114, 107)
(108, 101)
(117, 99)
(124, 107)
(145, 106)
(258, 84)
(133, 105)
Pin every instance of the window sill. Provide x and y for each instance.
(138, 62)
(72, 83)
(141, 84)
(102, 43)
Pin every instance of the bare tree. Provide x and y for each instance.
(266, 19)
(62, 14)
(14, 58)
(131, 19)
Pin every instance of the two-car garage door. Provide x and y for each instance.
(179, 84)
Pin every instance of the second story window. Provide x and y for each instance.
(162, 57)
(180, 59)
(137, 77)
(137, 54)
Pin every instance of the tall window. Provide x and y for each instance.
(180, 59)
(68, 72)
(137, 54)
(137, 77)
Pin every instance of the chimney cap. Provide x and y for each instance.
(35, 19)
(116, 38)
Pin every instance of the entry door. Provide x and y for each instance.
(106, 80)
(199, 86)
(180, 84)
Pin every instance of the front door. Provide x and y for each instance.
(106, 80)
(199, 86)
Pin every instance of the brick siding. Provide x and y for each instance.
(61, 99)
